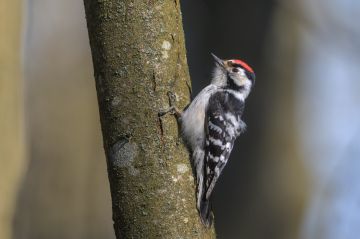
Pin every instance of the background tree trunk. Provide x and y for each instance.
(64, 192)
(139, 55)
(11, 112)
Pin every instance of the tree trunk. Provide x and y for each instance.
(11, 112)
(139, 55)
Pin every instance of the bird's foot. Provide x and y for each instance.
(173, 110)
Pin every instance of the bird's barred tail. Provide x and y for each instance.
(203, 205)
(206, 213)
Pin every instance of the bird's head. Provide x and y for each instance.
(234, 74)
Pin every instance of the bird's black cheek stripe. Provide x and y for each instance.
(250, 76)
(231, 84)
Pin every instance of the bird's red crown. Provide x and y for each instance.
(243, 64)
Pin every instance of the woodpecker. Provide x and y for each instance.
(211, 123)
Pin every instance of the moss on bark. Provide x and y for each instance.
(139, 55)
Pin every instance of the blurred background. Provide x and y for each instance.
(293, 174)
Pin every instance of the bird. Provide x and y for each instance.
(211, 123)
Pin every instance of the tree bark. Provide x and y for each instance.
(12, 144)
(138, 56)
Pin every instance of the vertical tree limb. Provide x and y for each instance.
(12, 145)
(139, 55)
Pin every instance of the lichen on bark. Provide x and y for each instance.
(138, 56)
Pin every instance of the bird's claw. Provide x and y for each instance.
(172, 109)
(172, 98)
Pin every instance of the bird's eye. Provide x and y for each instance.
(235, 69)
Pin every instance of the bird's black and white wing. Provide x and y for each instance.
(223, 125)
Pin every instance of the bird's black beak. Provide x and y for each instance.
(218, 60)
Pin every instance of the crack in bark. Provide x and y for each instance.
(161, 127)
(154, 81)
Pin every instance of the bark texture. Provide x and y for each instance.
(11, 112)
(139, 55)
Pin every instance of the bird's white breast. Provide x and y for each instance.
(193, 118)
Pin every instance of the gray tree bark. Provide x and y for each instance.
(138, 56)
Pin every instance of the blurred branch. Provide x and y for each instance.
(139, 55)
(12, 145)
